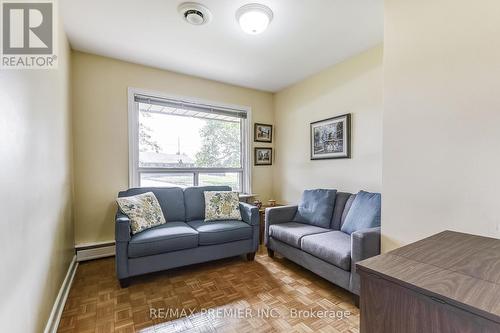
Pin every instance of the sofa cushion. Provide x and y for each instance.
(364, 212)
(194, 200)
(341, 198)
(222, 205)
(171, 200)
(168, 237)
(218, 232)
(333, 247)
(316, 207)
(143, 210)
(347, 207)
(292, 232)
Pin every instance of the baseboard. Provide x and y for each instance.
(57, 309)
(95, 251)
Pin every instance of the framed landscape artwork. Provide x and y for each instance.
(263, 156)
(331, 138)
(263, 133)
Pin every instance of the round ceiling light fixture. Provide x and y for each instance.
(194, 13)
(254, 18)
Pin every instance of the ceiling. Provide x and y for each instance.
(303, 38)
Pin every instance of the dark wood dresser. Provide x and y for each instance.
(449, 282)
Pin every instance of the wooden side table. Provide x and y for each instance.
(262, 224)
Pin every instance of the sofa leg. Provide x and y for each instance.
(124, 283)
(251, 256)
(356, 300)
(270, 253)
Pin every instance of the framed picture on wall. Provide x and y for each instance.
(331, 138)
(263, 156)
(263, 133)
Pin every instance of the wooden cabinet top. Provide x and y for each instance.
(459, 269)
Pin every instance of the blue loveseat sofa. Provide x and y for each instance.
(320, 240)
(185, 239)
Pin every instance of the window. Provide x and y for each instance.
(183, 142)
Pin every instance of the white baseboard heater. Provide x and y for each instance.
(94, 250)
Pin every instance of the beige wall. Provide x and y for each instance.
(101, 136)
(353, 86)
(441, 119)
(36, 241)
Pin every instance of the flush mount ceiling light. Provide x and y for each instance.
(254, 18)
(194, 13)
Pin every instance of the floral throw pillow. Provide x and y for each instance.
(143, 210)
(223, 205)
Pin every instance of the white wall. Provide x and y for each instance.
(353, 86)
(441, 153)
(36, 238)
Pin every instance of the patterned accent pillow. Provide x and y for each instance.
(222, 205)
(143, 210)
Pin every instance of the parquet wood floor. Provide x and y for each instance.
(268, 293)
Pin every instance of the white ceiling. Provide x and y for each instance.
(304, 37)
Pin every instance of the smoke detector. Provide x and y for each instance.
(194, 13)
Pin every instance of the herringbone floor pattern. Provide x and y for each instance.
(230, 295)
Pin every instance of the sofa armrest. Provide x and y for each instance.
(280, 214)
(249, 213)
(365, 244)
(122, 237)
(275, 215)
(122, 227)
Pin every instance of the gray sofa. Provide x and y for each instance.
(185, 239)
(326, 251)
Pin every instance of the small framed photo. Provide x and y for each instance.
(331, 138)
(263, 133)
(263, 156)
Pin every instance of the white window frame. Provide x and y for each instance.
(133, 136)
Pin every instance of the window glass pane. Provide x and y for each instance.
(167, 179)
(229, 178)
(176, 138)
